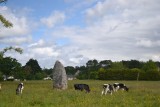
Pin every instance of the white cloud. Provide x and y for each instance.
(44, 51)
(16, 40)
(21, 27)
(144, 43)
(156, 57)
(117, 30)
(55, 18)
(39, 43)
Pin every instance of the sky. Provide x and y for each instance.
(75, 31)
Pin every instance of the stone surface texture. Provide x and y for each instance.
(59, 76)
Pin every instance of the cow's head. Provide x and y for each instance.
(88, 90)
(126, 88)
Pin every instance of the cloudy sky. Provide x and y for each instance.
(74, 31)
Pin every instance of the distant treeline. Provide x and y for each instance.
(102, 70)
(121, 70)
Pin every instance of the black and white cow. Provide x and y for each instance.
(107, 88)
(118, 86)
(20, 88)
(82, 87)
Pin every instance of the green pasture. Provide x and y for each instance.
(41, 94)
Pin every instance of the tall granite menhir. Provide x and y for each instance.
(59, 76)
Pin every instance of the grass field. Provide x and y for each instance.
(41, 94)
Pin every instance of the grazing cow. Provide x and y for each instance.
(19, 89)
(118, 86)
(107, 88)
(82, 87)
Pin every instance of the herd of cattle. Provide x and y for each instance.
(107, 88)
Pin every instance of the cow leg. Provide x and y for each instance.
(116, 89)
(17, 91)
(111, 92)
(86, 90)
(103, 91)
(21, 91)
(106, 91)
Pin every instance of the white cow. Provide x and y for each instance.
(20, 88)
(107, 88)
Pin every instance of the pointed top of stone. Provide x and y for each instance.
(58, 63)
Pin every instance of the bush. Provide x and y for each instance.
(128, 74)
(150, 75)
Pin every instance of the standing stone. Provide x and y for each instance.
(59, 76)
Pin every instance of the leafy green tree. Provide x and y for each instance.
(20, 74)
(10, 66)
(83, 74)
(33, 64)
(132, 64)
(32, 69)
(92, 65)
(150, 66)
(102, 74)
(27, 71)
(47, 71)
(105, 63)
(158, 65)
(39, 75)
(70, 70)
(117, 65)
(1, 76)
(94, 75)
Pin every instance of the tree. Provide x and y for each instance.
(7, 24)
(92, 65)
(105, 63)
(70, 70)
(10, 66)
(39, 76)
(132, 64)
(19, 50)
(33, 70)
(27, 71)
(150, 66)
(102, 74)
(83, 72)
(117, 65)
(33, 64)
(47, 71)
(9, 59)
(4, 21)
